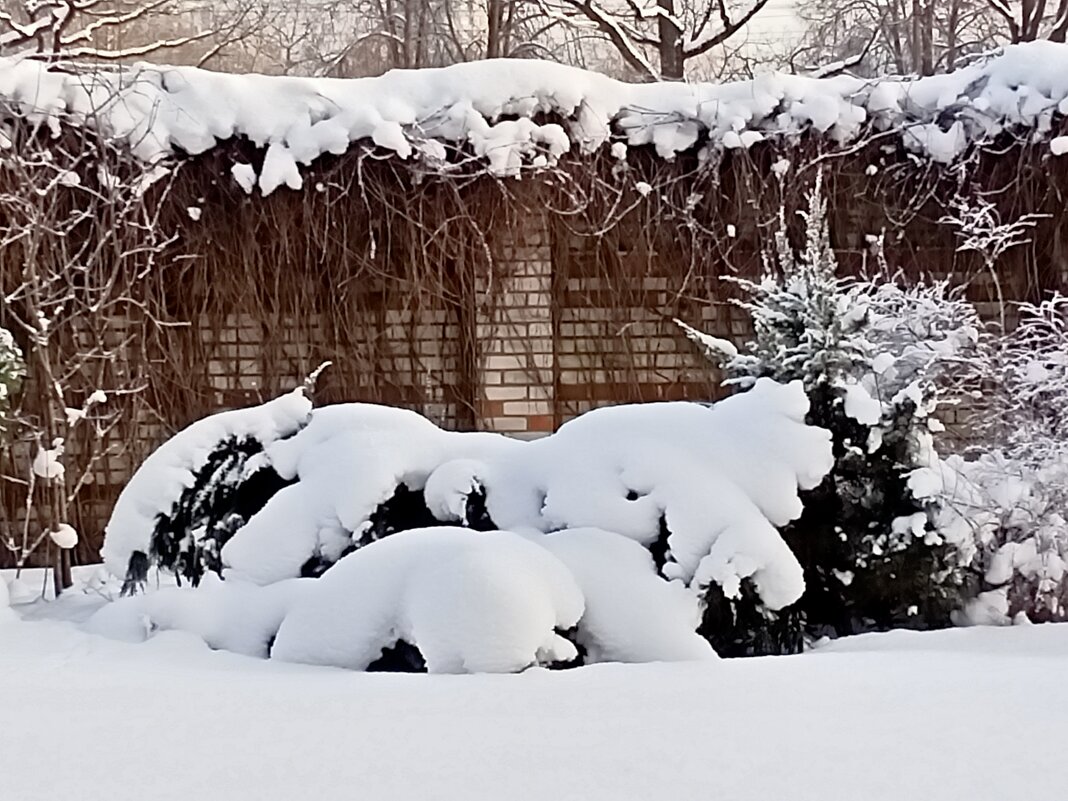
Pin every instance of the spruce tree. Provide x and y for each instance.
(872, 556)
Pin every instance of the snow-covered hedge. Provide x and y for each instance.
(498, 110)
(623, 519)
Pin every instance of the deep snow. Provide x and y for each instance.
(965, 713)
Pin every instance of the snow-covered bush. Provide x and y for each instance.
(347, 476)
(11, 371)
(195, 490)
(443, 599)
(470, 602)
(873, 357)
(1013, 496)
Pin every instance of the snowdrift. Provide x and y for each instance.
(594, 544)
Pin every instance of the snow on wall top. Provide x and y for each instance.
(496, 109)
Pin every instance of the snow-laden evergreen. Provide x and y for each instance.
(185, 500)
(873, 356)
(624, 502)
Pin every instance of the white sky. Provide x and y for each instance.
(775, 24)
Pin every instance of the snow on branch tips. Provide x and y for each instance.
(1012, 494)
(979, 227)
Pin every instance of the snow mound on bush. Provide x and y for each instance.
(720, 477)
(632, 615)
(350, 458)
(168, 470)
(229, 615)
(470, 602)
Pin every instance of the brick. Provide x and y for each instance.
(525, 408)
(502, 393)
(502, 362)
(506, 424)
(516, 377)
(541, 422)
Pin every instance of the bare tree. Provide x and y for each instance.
(347, 38)
(674, 31)
(123, 29)
(1028, 20)
(79, 237)
(903, 37)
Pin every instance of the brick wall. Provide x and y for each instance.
(515, 337)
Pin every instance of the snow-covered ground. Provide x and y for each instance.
(960, 714)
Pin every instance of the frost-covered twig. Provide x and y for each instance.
(978, 225)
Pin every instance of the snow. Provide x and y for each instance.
(846, 716)
(722, 478)
(47, 464)
(469, 601)
(350, 458)
(861, 406)
(228, 615)
(631, 614)
(521, 114)
(162, 477)
(64, 535)
(714, 348)
(245, 176)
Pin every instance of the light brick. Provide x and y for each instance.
(502, 393)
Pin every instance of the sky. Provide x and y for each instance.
(776, 24)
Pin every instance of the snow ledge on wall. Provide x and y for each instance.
(499, 110)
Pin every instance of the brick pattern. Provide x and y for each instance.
(616, 341)
(515, 336)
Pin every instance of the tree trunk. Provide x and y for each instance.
(672, 61)
(494, 18)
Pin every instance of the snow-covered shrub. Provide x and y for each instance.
(350, 475)
(631, 614)
(642, 471)
(873, 357)
(1013, 496)
(11, 371)
(470, 602)
(191, 494)
(443, 600)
